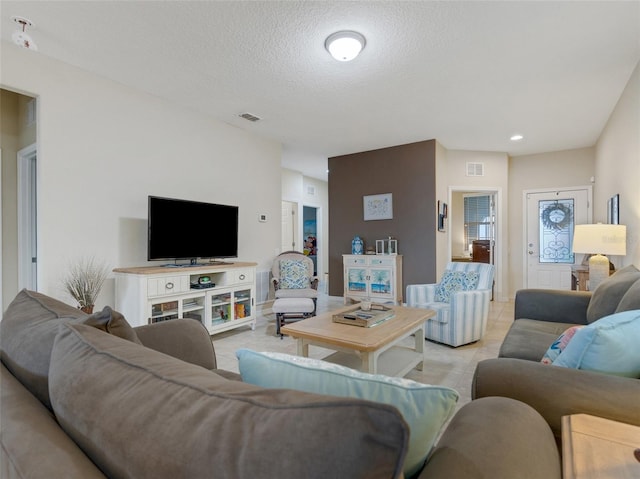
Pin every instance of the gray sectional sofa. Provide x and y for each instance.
(91, 397)
(540, 317)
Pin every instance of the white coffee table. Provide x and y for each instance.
(375, 350)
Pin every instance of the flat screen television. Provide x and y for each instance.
(183, 229)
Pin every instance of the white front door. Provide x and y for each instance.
(550, 219)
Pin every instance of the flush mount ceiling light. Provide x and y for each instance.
(20, 36)
(516, 138)
(344, 46)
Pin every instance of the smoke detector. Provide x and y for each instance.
(20, 36)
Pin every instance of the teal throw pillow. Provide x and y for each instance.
(609, 345)
(294, 274)
(425, 408)
(453, 281)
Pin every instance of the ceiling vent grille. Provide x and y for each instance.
(475, 169)
(250, 117)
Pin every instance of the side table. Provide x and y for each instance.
(594, 447)
(580, 278)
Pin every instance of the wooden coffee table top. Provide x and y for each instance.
(322, 328)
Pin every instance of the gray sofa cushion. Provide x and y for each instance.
(529, 339)
(495, 438)
(33, 444)
(608, 294)
(139, 413)
(27, 332)
(631, 299)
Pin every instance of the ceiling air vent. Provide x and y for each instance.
(250, 117)
(475, 169)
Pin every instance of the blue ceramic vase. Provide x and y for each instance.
(357, 245)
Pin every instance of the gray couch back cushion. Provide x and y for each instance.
(631, 299)
(139, 413)
(610, 292)
(27, 332)
(33, 443)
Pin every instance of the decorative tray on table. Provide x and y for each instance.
(357, 316)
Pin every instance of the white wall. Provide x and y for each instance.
(617, 166)
(456, 225)
(442, 183)
(496, 178)
(556, 169)
(104, 147)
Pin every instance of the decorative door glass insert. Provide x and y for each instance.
(556, 231)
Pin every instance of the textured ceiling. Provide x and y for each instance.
(469, 74)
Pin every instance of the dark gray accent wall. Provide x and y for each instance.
(406, 171)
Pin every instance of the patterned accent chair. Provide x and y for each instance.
(460, 300)
(292, 277)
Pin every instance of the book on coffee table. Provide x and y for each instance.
(363, 318)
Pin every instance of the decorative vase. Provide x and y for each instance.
(87, 309)
(357, 245)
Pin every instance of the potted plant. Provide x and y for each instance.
(84, 282)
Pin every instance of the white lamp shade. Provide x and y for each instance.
(600, 239)
(344, 46)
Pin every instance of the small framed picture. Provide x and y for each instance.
(378, 207)
(615, 210)
(442, 216)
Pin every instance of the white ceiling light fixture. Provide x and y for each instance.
(516, 137)
(344, 46)
(20, 36)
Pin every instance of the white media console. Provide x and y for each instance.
(150, 294)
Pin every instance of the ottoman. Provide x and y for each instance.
(289, 308)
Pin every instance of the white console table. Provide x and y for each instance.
(150, 294)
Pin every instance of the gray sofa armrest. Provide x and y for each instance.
(496, 438)
(552, 305)
(555, 391)
(185, 339)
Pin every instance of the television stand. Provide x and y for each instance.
(149, 294)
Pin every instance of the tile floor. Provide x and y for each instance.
(452, 367)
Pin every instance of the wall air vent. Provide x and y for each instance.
(250, 117)
(475, 169)
(311, 190)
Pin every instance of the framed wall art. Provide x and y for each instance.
(614, 210)
(378, 207)
(442, 216)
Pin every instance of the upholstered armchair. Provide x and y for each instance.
(460, 300)
(292, 277)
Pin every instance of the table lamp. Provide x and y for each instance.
(601, 240)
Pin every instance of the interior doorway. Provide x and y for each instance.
(310, 235)
(28, 218)
(475, 222)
